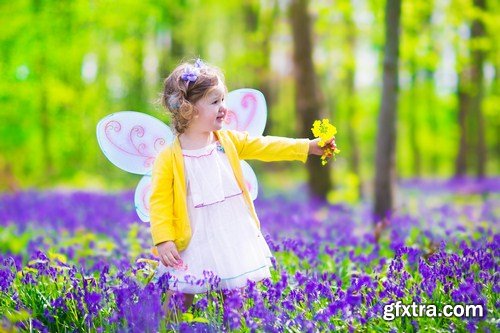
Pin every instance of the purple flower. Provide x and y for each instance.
(29, 278)
(47, 314)
(6, 278)
(232, 317)
(233, 299)
(340, 276)
(59, 304)
(202, 304)
(38, 325)
(92, 300)
(471, 327)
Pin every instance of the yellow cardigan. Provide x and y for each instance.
(168, 208)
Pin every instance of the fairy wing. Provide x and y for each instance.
(141, 198)
(250, 179)
(247, 112)
(131, 141)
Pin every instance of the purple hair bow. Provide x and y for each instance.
(189, 75)
(199, 63)
(191, 72)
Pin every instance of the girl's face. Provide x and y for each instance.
(210, 110)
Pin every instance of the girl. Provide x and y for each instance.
(202, 216)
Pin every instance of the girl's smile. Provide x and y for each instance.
(222, 116)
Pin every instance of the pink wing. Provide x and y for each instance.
(131, 140)
(141, 198)
(250, 179)
(247, 111)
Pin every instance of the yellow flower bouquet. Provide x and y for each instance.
(325, 131)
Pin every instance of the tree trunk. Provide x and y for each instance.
(308, 98)
(41, 74)
(463, 110)
(354, 155)
(136, 95)
(260, 32)
(413, 123)
(477, 90)
(495, 90)
(45, 128)
(385, 174)
(472, 149)
(177, 50)
(267, 84)
(433, 119)
(8, 179)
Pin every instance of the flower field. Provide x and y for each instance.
(76, 262)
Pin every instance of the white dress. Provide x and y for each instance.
(225, 239)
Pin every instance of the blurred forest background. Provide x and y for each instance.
(66, 64)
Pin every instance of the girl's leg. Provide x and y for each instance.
(188, 300)
(170, 314)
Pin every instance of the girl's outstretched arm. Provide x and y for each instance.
(269, 148)
(273, 148)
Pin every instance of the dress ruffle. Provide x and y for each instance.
(209, 176)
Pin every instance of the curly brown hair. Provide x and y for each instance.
(180, 94)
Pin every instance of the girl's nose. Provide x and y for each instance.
(223, 108)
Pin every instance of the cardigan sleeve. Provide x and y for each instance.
(269, 148)
(161, 201)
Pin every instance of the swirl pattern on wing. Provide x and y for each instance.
(247, 111)
(132, 140)
(249, 103)
(132, 146)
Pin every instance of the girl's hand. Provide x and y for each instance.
(167, 251)
(315, 149)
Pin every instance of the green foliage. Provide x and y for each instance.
(15, 245)
(68, 64)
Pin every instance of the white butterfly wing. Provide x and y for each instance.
(132, 140)
(250, 179)
(247, 111)
(141, 198)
